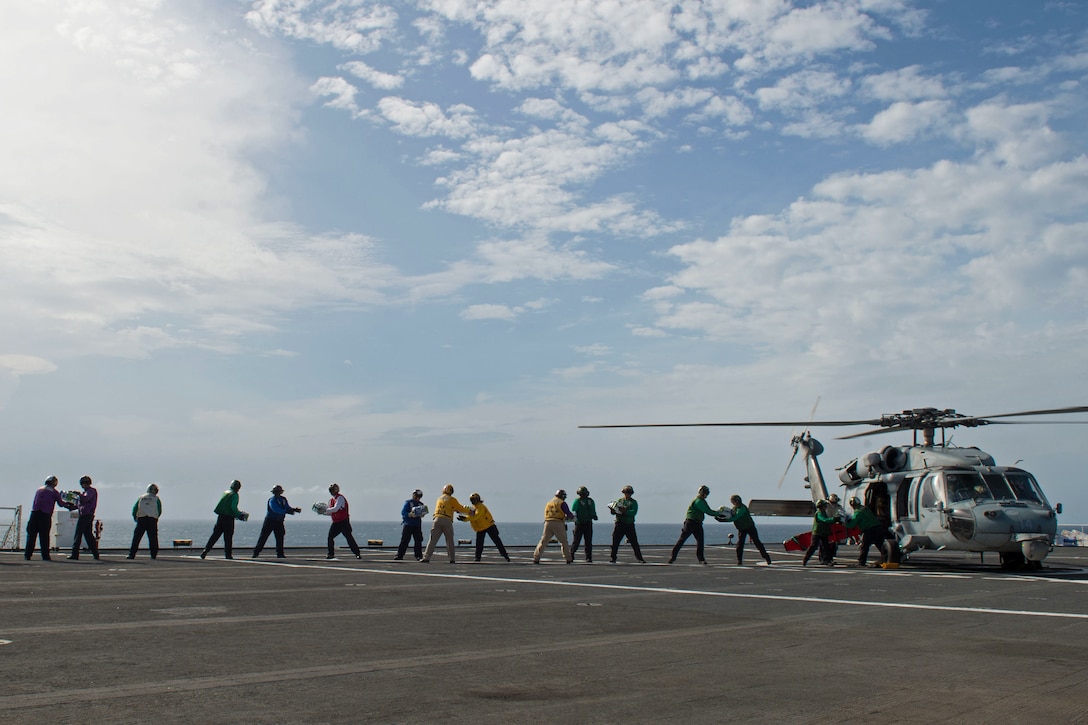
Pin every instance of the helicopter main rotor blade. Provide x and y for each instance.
(917, 419)
(875, 432)
(774, 423)
(1051, 411)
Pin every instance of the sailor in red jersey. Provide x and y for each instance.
(341, 524)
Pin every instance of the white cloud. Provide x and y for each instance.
(355, 27)
(904, 121)
(944, 254)
(489, 312)
(339, 91)
(904, 84)
(25, 365)
(376, 78)
(120, 238)
(428, 119)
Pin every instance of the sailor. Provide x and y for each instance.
(88, 503)
(625, 509)
(556, 516)
(872, 531)
(693, 525)
(226, 511)
(442, 523)
(483, 523)
(821, 536)
(46, 499)
(585, 513)
(411, 519)
(146, 512)
(341, 522)
(277, 511)
(746, 527)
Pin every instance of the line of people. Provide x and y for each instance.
(557, 514)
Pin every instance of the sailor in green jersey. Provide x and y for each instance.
(226, 512)
(585, 513)
(625, 509)
(693, 525)
(821, 535)
(746, 528)
(872, 531)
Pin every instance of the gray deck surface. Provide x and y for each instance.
(180, 640)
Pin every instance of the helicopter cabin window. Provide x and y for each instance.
(999, 489)
(964, 486)
(929, 493)
(1024, 487)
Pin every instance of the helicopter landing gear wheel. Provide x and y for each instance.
(1012, 560)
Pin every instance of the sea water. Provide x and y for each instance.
(311, 532)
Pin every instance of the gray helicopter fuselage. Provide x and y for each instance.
(944, 497)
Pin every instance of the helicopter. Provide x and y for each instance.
(929, 495)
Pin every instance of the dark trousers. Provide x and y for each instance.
(621, 530)
(823, 543)
(342, 527)
(38, 527)
(690, 528)
(150, 526)
(411, 534)
(582, 531)
(744, 534)
(271, 526)
(872, 537)
(493, 532)
(224, 526)
(85, 530)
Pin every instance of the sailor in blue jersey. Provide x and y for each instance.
(278, 510)
(411, 518)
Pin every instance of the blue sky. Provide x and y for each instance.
(403, 244)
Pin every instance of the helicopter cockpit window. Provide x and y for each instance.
(965, 486)
(999, 489)
(1024, 487)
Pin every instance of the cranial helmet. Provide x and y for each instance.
(235, 484)
(582, 491)
(561, 493)
(855, 502)
(447, 489)
(704, 491)
(627, 489)
(833, 498)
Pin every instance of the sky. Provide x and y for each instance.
(403, 244)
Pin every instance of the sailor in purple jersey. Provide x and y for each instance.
(88, 503)
(41, 517)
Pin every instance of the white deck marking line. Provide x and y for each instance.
(693, 592)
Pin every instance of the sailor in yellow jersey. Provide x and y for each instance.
(556, 516)
(483, 523)
(444, 509)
